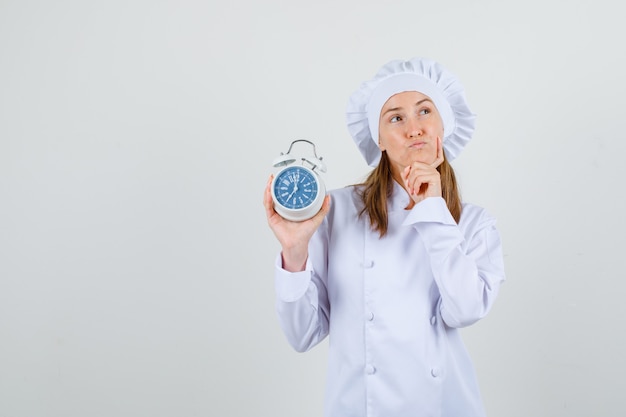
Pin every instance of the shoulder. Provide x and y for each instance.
(347, 194)
(345, 201)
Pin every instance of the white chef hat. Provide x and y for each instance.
(416, 74)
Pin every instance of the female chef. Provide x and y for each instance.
(390, 269)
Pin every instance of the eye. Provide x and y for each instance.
(424, 111)
(395, 119)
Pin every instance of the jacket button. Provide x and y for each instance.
(435, 372)
(433, 320)
(368, 264)
(370, 369)
(369, 316)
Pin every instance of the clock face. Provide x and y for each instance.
(295, 188)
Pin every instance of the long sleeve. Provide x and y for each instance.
(302, 299)
(466, 259)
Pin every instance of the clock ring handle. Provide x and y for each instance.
(307, 141)
(285, 159)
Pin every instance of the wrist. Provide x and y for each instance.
(294, 260)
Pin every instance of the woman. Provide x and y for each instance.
(394, 266)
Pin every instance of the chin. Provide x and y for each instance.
(423, 158)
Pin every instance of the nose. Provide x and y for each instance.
(414, 127)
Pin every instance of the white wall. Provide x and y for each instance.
(135, 141)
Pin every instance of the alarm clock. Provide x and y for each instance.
(297, 189)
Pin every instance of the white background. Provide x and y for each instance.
(136, 137)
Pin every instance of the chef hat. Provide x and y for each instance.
(417, 74)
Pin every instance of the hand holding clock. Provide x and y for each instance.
(293, 236)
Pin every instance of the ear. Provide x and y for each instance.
(380, 145)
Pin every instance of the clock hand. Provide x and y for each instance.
(295, 185)
(295, 189)
(289, 198)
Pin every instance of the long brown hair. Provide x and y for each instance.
(378, 187)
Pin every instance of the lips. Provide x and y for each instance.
(417, 145)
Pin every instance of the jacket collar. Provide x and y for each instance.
(399, 199)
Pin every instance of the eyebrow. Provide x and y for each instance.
(416, 104)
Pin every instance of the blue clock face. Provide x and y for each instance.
(295, 188)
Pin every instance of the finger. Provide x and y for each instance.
(417, 185)
(439, 160)
(268, 202)
(266, 193)
(430, 184)
(326, 205)
(323, 210)
(412, 182)
(425, 179)
(317, 220)
(419, 176)
(406, 177)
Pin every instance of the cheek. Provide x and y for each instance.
(382, 141)
(388, 136)
(438, 126)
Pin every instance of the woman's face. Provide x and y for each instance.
(408, 130)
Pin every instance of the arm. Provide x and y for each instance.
(466, 259)
(301, 297)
